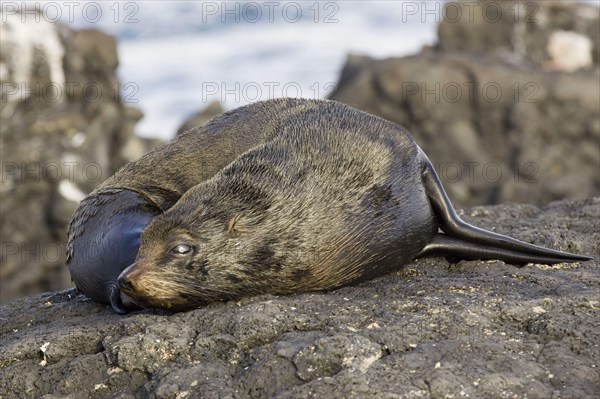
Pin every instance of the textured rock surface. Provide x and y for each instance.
(64, 129)
(432, 330)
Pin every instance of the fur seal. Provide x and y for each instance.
(104, 232)
(332, 197)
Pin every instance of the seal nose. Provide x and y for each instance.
(124, 280)
(125, 283)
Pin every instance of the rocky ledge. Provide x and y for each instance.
(433, 329)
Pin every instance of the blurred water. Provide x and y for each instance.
(178, 56)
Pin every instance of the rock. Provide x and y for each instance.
(64, 129)
(521, 30)
(201, 117)
(433, 329)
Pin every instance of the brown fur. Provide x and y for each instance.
(153, 184)
(163, 175)
(334, 197)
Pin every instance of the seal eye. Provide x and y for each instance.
(181, 250)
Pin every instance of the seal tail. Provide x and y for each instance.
(465, 241)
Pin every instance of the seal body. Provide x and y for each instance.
(104, 233)
(333, 196)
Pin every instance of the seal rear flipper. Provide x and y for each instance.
(462, 232)
(454, 248)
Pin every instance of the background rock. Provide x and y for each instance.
(488, 105)
(64, 129)
(521, 30)
(432, 330)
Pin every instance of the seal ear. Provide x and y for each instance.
(236, 225)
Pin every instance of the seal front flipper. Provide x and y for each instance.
(469, 242)
(104, 238)
(120, 302)
(115, 300)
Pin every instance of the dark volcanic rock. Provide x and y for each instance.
(64, 129)
(432, 330)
